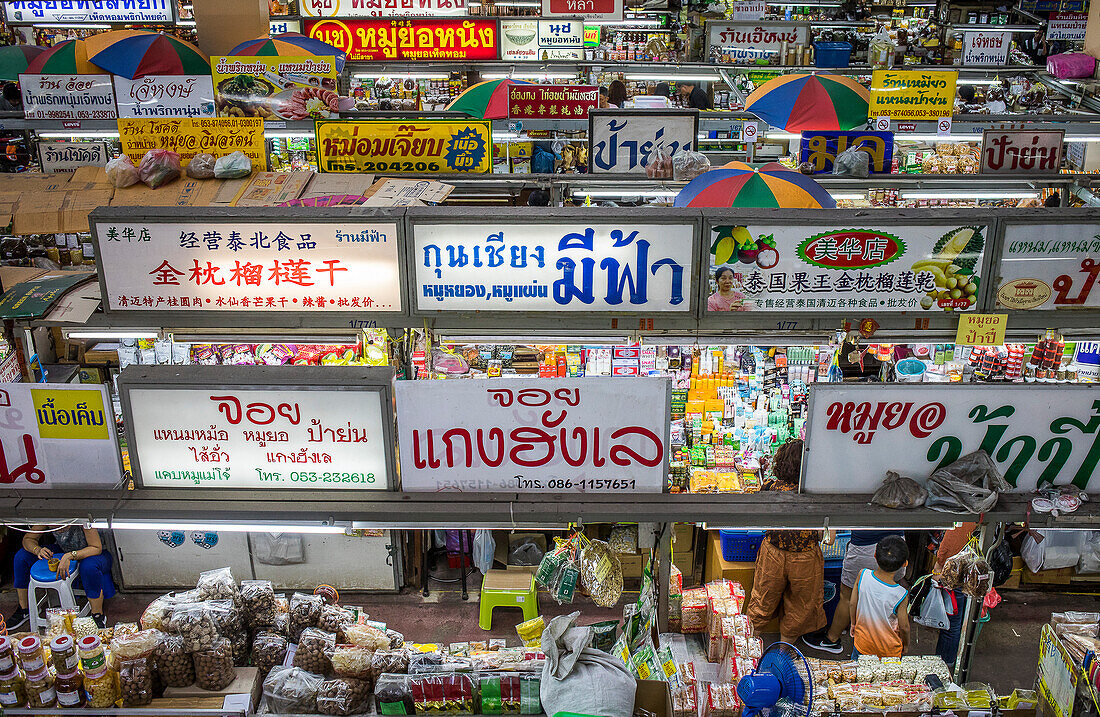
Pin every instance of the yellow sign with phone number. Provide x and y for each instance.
(218, 136)
(420, 146)
(912, 94)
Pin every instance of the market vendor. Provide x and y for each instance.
(67, 543)
(727, 297)
(694, 97)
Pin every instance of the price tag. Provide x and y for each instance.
(943, 126)
(882, 124)
(750, 131)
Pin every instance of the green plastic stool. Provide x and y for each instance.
(507, 588)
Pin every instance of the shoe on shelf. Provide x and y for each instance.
(17, 618)
(101, 620)
(820, 641)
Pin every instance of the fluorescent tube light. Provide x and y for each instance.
(666, 76)
(499, 339)
(963, 194)
(287, 133)
(977, 82)
(74, 26)
(848, 195)
(777, 134)
(607, 193)
(625, 23)
(50, 134)
(402, 75)
(301, 528)
(111, 335)
(528, 75)
(186, 23)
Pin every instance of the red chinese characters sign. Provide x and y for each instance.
(536, 101)
(410, 39)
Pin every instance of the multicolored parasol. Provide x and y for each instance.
(289, 44)
(137, 53)
(810, 102)
(485, 100)
(14, 60)
(771, 186)
(65, 58)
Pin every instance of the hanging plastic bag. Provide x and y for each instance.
(897, 491)
(278, 548)
(852, 162)
(159, 166)
(233, 166)
(1090, 553)
(601, 573)
(931, 610)
(484, 549)
(968, 572)
(688, 165)
(122, 172)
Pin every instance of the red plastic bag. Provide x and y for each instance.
(159, 166)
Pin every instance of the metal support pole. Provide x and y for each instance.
(664, 567)
(965, 658)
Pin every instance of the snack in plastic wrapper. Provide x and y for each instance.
(136, 681)
(173, 663)
(601, 573)
(530, 631)
(214, 668)
(292, 690)
(684, 701)
(122, 172)
(193, 623)
(305, 611)
(343, 696)
(367, 636)
(218, 584)
(447, 694)
(688, 165)
(258, 599)
(201, 166)
(233, 166)
(393, 696)
(159, 166)
(852, 162)
(315, 648)
(897, 491)
(352, 661)
(268, 650)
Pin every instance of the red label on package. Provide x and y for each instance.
(409, 39)
(528, 101)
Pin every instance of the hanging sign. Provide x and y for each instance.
(1022, 150)
(86, 12)
(912, 94)
(783, 267)
(1067, 26)
(554, 266)
(420, 146)
(541, 39)
(165, 96)
(981, 329)
(246, 265)
(410, 40)
(1057, 676)
(279, 27)
(1035, 434)
(549, 101)
(627, 141)
(746, 10)
(277, 88)
(48, 429)
(67, 156)
(821, 148)
(587, 9)
(754, 40)
(983, 47)
(1049, 266)
(218, 136)
(381, 8)
(581, 435)
(71, 97)
(290, 428)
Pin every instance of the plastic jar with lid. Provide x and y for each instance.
(92, 656)
(12, 691)
(29, 652)
(7, 654)
(70, 690)
(102, 688)
(63, 654)
(40, 691)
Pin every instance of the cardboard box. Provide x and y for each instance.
(95, 176)
(683, 536)
(406, 192)
(38, 212)
(326, 185)
(718, 567)
(1061, 576)
(653, 697)
(269, 189)
(685, 563)
(184, 192)
(632, 565)
(74, 214)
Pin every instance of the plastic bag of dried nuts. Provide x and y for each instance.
(268, 650)
(136, 680)
(193, 622)
(352, 661)
(315, 648)
(173, 663)
(226, 615)
(140, 644)
(334, 618)
(214, 668)
(258, 599)
(241, 646)
(217, 584)
(343, 696)
(389, 661)
(291, 690)
(305, 611)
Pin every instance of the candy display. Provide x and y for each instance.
(872, 684)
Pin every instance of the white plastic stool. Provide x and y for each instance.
(63, 588)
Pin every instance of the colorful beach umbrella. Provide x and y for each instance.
(485, 100)
(14, 60)
(289, 44)
(137, 53)
(810, 102)
(65, 58)
(771, 186)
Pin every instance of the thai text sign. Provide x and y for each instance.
(773, 267)
(67, 156)
(165, 96)
(522, 39)
(218, 136)
(286, 87)
(1057, 674)
(79, 12)
(628, 141)
(983, 47)
(1049, 266)
(746, 10)
(263, 267)
(556, 266)
(526, 101)
(1035, 435)
(981, 329)
(821, 148)
(912, 94)
(412, 39)
(421, 146)
(586, 435)
(381, 8)
(305, 437)
(1020, 150)
(50, 428)
(588, 9)
(752, 40)
(67, 97)
(1067, 26)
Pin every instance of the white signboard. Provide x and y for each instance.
(581, 435)
(1067, 26)
(306, 438)
(165, 96)
(1035, 434)
(746, 10)
(48, 429)
(67, 97)
(1034, 151)
(80, 12)
(280, 27)
(753, 40)
(628, 141)
(1050, 266)
(262, 267)
(67, 156)
(381, 8)
(986, 48)
(541, 39)
(558, 266)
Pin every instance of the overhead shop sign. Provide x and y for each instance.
(74, 97)
(587, 9)
(246, 265)
(1035, 434)
(912, 94)
(67, 156)
(413, 146)
(161, 96)
(218, 136)
(1019, 150)
(540, 101)
(755, 40)
(821, 148)
(1067, 26)
(1053, 265)
(80, 12)
(625, 141)
(541, 39)
(410, 40)
(554, 266)
(585, 435)
(877, 267)
(983, 47)
(381, 8)
(295, 428)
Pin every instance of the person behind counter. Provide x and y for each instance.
(68, 543)
(694, 97)
(616, 94)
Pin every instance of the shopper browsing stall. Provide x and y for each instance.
(72, 545)
(879, 606)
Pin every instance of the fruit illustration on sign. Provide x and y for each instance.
(953, 266)
(767, 256)
(733, 242)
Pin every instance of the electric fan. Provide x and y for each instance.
(780, 685)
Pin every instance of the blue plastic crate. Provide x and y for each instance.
(839, 547)
(740, 546)
(832, 54)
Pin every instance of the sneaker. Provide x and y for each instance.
(17, 618)
(820, 641)
(101, 621)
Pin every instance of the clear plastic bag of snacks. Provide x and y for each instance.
(334, 618)
(292, 690)
(268, 650)
(217, 584)
(305, 611)
(314, 651)
(258, 601)
(136, 681)
(192, 622)
(173, 663)
(343, 696)
(352, 661)
(214, 669)
(367, 636)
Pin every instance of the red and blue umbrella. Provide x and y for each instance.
(289, 44)
(65, 58)
(771, 186)
(810, 102)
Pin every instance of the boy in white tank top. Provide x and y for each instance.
(880, 610)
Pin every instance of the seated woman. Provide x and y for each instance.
(67, 543)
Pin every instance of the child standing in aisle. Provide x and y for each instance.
(879, 606)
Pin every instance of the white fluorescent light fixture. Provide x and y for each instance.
(301, 528)
(778, 134)
(402, 75)
(961, 81)
(929, 137)
(625, 23)
(664, 77)
(78, 133)
(111, 335)
(970, 195)
(65, 25)
(608, 194)
(526, 75)
(848, 195)
(1082, 139)
(287, 133)
(186, 23)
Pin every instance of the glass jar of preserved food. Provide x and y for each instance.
(29, 652)
(102, 687)
(7, 654)
(12, 691)
(70, 690)
(91, 653)
(63, 654)
(40, 691)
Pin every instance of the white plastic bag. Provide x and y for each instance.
(233, 166)
(122, 172)
(1057, 549)
(852, 162)
(278, 548)
(1090, 553)
(484, 550)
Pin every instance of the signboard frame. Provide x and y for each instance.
(173, 17)
(44, 145)
(596, 115)
(971, 35)
(618, 12)
(987, 134)
(305, 378)
(404, 54)
(801, 28)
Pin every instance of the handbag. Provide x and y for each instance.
(929, 605)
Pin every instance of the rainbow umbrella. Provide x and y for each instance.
(486, 100)
(810, 102)
(289, 44)
(65, 58)
(14, 59)
(771, 186)
(137, 53)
